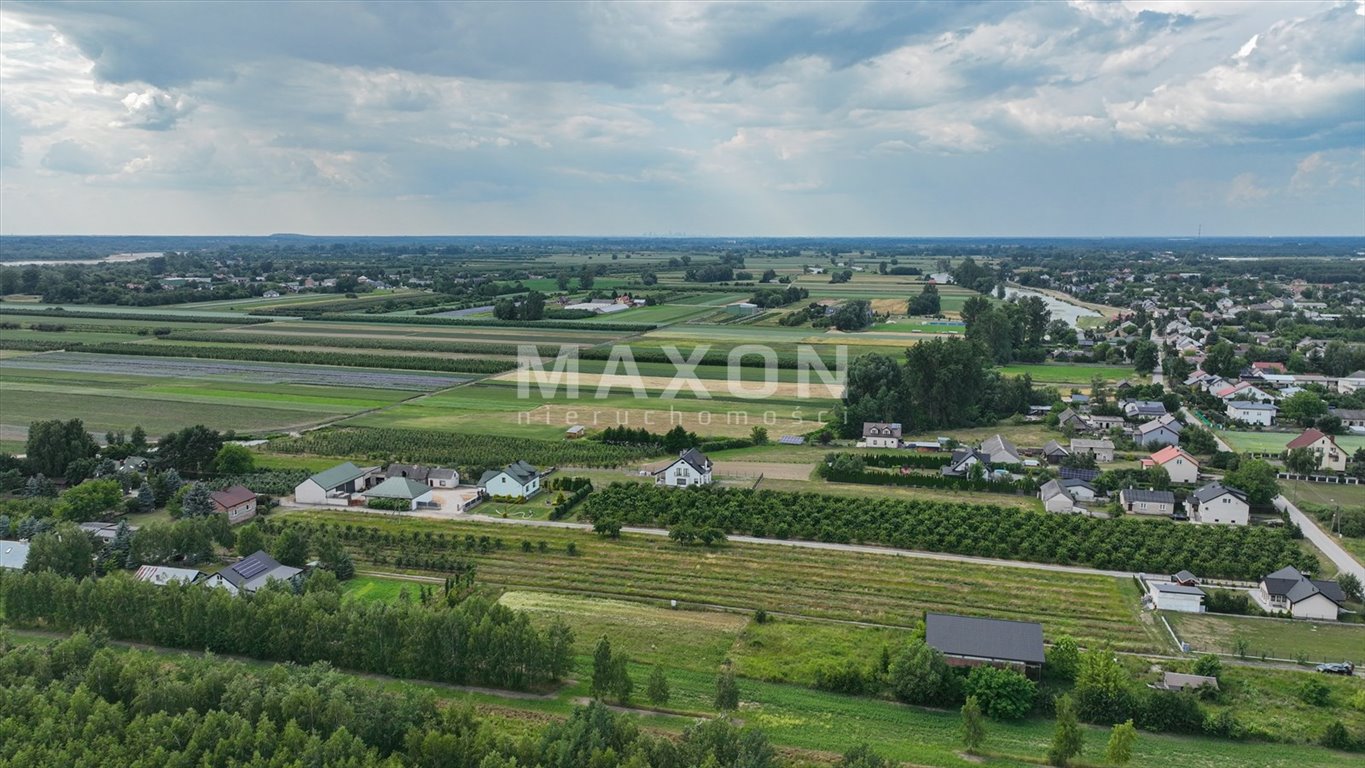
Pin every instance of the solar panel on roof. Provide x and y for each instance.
(1076, 473)
(250, 569)
(792, 440)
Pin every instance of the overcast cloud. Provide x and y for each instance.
(1081, 118)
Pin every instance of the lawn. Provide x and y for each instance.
(805, 583)
(1071, 373)
(1274, 442)
(375, 589)
(1275, 638)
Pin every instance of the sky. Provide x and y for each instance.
(700, 119)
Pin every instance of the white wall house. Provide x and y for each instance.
(1249, 412)
(1181, 466)
(690, 468)
(1289, 591)
(334, 486)
(1140, 501)
(1218, 504)
(1330, 456)
(881, 435)
(517, 480)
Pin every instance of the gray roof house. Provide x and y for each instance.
(972, 641)
(251, 573)
(1291, 591)
(517, 470)
(1000, 451)
(13, 554)
(962, 461)
(161, 575)
(1054, 452)
(410, 471)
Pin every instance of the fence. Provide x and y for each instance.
(1328, 479)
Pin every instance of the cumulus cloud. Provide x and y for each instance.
(153, 110)
(69, 156)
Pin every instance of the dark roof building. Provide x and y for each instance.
(971, 641)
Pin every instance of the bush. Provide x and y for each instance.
(1314, 692)
(1170, 712)
(919, 675)
(389, 505)
(1003, 693)
(848, 678)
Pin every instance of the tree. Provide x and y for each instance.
(927, 302)
(89, 500)
(146, 498)
(1119, 750)
(249, 540)
(1103, 689)
(166, 485)
(873, 391)
(137, 440)
(1208, 665)
(727, 691)
(1198, 440)
(919, 675)
(1222, 360)
(562, 280)
(192, 449)
(1061, 334)
(586, 277)
(53, 445)
(1256, 478)
(234, 459)
(1003, 694)
(758, 435)
(1067, 739)
(39, 487)
(1144, 357)
(1350, 585)
(1063, 659)
(601, 668)
(852, 315)
(622, 687)
(657, 690)
(333, 556)
(678, 439)
(197, 502)
(1302, 461)
(973, 725)
(122, 545)
(291, 548)
(862, 756)
(65, 550)
(1303, 408)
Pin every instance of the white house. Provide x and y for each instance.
(1244, 391)
(1289, 591)
(1176, 597)
(690, 468)
(1056, 498)
(1102, 450)
(1351, 382)
(335, 485)
(1219, 505)
(1080, 490)
(1144, 502)
(1331, 458)
(407, 490)
(881, 435)
(1000, 451)
(1163, 431)
(517, 480)
(1181, 466)
(1250, 412)
(435, 477)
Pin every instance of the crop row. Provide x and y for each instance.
(412, 345)
(307, 357)
(458, 449)
(814, 584)
(151, 317)
(1234, 552)
(488, 322)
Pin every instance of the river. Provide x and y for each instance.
(110, 259)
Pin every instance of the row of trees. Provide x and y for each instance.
(473, 642)
(968, 529)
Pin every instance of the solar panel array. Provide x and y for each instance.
(250, 569)
(792, 440)
(1076, 473)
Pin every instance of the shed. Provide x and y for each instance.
(969, 641)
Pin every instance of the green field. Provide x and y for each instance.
(800, 583)
(1076, 374)
(1274, 442)
(1276, 638)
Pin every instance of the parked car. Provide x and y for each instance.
(1344, 668)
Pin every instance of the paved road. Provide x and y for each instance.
(830, 546)
(1322, 540)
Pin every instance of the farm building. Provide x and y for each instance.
(1054, 452)
(1176, 597)
(690, 468)
(968, 641)
(1143, 410)
(1218, 505)
(13, 554)
(335, 485)
(742, 308)
(251, 573)
(1289, 591)
(1106, 423)
(1000, 451)
(1179, 681)
(238, 502)
(881, 435)
(161, 575)
(1250, 412)
(1181, 466)
(405, 489)
(434, 477)
(1056, 498)
(1144, 502)
(516, 480)
(1069, 417)
(1330, 456)
(1102, 450)
(575, 432)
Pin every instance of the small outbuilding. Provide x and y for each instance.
(403, 489)
(969, 641)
